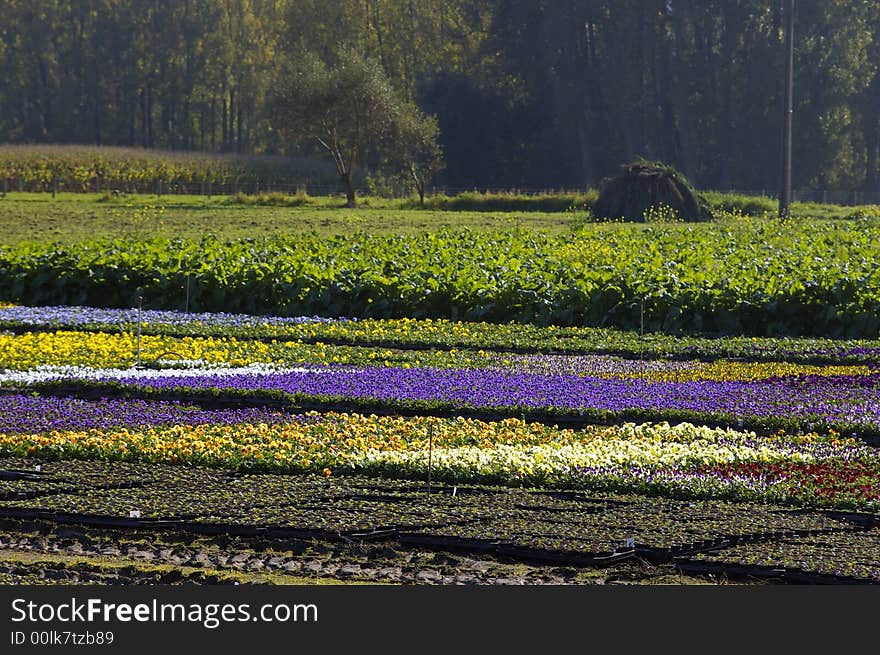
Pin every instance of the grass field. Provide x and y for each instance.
(72, 217)
(75, 217)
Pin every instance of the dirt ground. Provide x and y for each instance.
(33, 552)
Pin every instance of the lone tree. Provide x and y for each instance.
(417, 148)
(644, 187)
(349, 108)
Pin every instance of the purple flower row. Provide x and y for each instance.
(848, 399)
(77, 316)
(30, 414)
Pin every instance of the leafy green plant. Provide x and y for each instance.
(749, 278)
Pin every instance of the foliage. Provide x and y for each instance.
(749, 277)
(347, 108)
(276, 199)
(528, 95)
(78, 168)
(417, 148)
(512, 201)
(870, 213)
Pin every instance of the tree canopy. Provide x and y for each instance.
(526, 94)
(348, 108)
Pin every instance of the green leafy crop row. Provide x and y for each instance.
(750, 278)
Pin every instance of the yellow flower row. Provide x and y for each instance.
(727, 371)
(119, 350)
(99, 349)
(370, 444)
(109, 350)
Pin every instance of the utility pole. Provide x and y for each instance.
(785, 191)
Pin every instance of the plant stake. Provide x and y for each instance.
(140, 306)
(430, 456)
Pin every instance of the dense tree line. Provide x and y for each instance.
(527, 93)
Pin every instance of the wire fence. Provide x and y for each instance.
(159, 187)
(162, 187)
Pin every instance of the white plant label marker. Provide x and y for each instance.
(134, 514)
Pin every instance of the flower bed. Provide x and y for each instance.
(423, 334)
(662, 458)
(681, 460)
(845, 403)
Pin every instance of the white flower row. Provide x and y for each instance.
(553, 462)
(51, 372)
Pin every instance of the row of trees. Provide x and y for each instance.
(189, 74)
(526, 93)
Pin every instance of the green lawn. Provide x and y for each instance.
(77, 217)
(74, 217)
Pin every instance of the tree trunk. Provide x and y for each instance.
(96, 99)
(419, 182)
(45, 103)
(149, 116)
(187, 127)
(679, 122)
(224, 141)
(726, 75)
(143, 94)
(231, 145)
(213, 123)
(132, 106)
(643, 93)
(238, 121)
(871, 127)
(872, 166)
(350, 198)
(420, 189)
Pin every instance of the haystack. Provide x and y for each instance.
(646, 187)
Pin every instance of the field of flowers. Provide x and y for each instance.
(602, 437)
